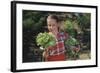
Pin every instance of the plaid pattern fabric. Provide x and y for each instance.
(59, 48)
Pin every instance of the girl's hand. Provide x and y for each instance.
(45, 55)
(77, 49)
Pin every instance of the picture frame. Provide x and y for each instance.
(20, 63)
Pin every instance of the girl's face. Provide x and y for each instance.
(52, 25)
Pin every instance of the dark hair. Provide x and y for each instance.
(56, 17)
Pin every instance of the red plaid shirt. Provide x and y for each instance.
(57, 52)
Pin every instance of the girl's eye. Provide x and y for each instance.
(49, 25)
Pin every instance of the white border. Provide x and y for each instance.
(37, 65)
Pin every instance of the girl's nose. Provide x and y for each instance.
(51, 27)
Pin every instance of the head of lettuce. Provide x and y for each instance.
(45, 40)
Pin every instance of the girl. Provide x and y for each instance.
(57, 52)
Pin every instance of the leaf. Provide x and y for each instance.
(45, 39)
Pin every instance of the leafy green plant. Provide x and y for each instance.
(45, 40)
(71, 41)
(72, 48)
(69, 27)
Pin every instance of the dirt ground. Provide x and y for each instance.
(83, 55)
